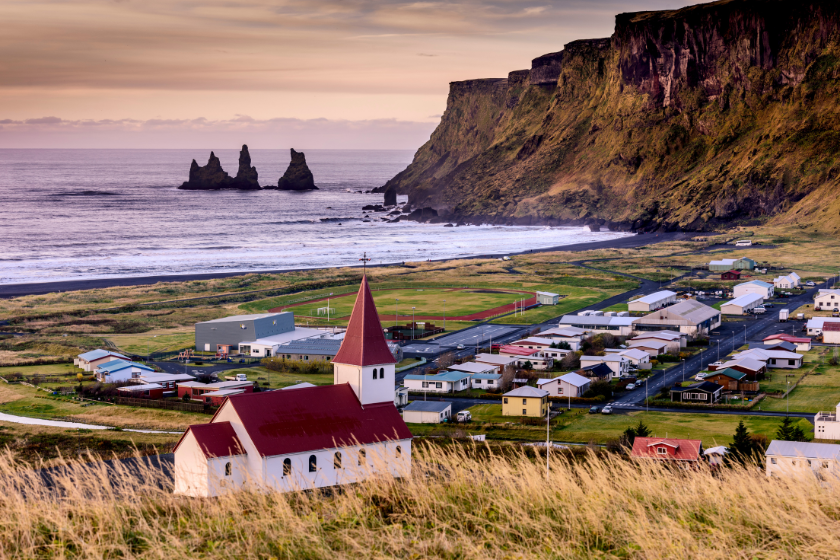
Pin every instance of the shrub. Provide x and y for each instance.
(296, 366)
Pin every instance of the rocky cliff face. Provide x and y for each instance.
(213, 177)
(682, 119)
(297, 177)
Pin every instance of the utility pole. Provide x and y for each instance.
(412, 322)
(328, 307)
(396, 312)
(547, 441)
(444, 315)
(683, 375)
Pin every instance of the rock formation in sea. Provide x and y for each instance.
(391, 196)
(297, 177)
(212, 177)
(246, 177)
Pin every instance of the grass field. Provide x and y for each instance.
(47, 369)
(155, 341)
(576, 298)
(277, 379)
(817, 391)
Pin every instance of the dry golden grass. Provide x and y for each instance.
(457, 503)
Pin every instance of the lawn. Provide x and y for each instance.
(576, 298)
(277, 379)
(154, 341)
(818, 391)
(48, 369)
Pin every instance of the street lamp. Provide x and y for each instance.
(444, 315)
(683, 364)
(396, 312)
(412, 322)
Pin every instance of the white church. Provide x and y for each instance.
(309, 437)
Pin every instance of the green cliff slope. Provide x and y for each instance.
(682, 119)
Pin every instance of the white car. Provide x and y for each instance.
(606, 410)
(630, 386)
(810, 284)
(460, 347)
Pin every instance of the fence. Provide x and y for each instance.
(168, 405)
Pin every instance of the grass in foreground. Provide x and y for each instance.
(457, 502)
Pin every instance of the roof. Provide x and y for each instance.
(527, 391)
(235, 318)
(831, 327)
(99, 353)
(428, 406)
(224, 393)
(691, 310)
(735, 272)
(518, 350)
(569, 332)
(686, 449)
(719, 450)
(706, 386)
(777, 345)
(596, 320)
(156, 377)
(825, 291)
(144, 387)
(804, 449)
(493, 376)
(598, 370)
(364, 342)
(442, 376)
(745, 362)
(662, 335)
(326, 346)
(757, 283)
(788, 338)
(655, 297)
(634, 354)
(325, 417)
(762, 354)
(117, 365)
(551, 294)
(603, 359)
(535, 340)
(216, 439)
(574, 379)
(303, 385)
(648, 343)
(494, 359)
(219, 385)
(472, 367)
(723, 261)
(743, 301)
(731, 373)
(297, 333)
(819, 322)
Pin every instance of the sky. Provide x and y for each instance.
(308, 73)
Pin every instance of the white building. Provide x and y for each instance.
(688, 316)
(523, 356)
(815, 326)
(427, 412)
(569, 385)
(544, 344)
(674, 340)
(653, 346)
(827, 425)
(486, 380)
(654, 301)
(618, 364)
(272, 345)
(618, 325)
(570, 335)
(311, 437)
(797, 458)
(785, 282)
(443, 382)
(741, 305)
(827, 300)
(89, 360)
(758, 287)
(779, 359)
(120, 371)
(547, 298)
(635, 356)
(498, 362)
(473, 368)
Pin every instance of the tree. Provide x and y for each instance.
(785, 431)
(508, 374)
(446, 359)
(798, 435)
(630, 434)
(528, 365)
(563, 345)
(742, 448)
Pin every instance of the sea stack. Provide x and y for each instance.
(209, 177)
(246, 177)
(391, 196)
(297, 177)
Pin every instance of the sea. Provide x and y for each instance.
(92, 214)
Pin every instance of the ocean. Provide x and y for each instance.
(85, 214)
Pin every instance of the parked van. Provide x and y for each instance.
(759, 310)
(464, 416)
(743, 243)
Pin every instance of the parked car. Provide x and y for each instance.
(631, 386)
(769, 305)
(594, 409)
(464, 416)
(606, 410)
(810, 284)
(460, 347)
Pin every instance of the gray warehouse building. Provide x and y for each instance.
(230, 331)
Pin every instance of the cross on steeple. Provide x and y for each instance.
(364, 260)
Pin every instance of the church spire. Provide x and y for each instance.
(364, 342)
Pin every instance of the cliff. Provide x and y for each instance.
(681, 119)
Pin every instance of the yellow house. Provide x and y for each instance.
(525, 401)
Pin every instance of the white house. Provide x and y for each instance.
(802, 343)
(688, 316)
(537, 358)
(763, 289)
(499, 362)
(827, 300)
(569, 385)
(741, 305)
(654, 301)
(443, 382)
(636, 356)
(89, 360)
(618, 364)
(472, 368)
(674, 340)
(486, 380)
(570, 335)
(797, 458)
(780, 359)
(311, 437)
(827, 425)
(427, 412)
(653, 346)
(787, 282)
(815, 326)
(120, 371)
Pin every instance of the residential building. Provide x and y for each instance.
(778, 359)
(752, 367)
(443, 382)
(636, 356)
(741, 305)
(777, 345)
(688, 316)
(120, 371)
(731, 275)
(231, 331)
(536, 357)
(486, 380)
(732, 380)
(831, 333)
(427, 412)
(618, 364)
(617, 325)
(757, 287)
(472, 368)
(827, 425)
(652, 346)
(570, 335)
(814, 327)
(704, 392)
(788, 282)
(544, 344)
(724, 265)
(309, 349)
(499, 362)
(213, 393)
(547, 298)
(716, 455)
(525, 401)
(599, 371)
(568, 385)
(802, 459)
(311, 437)
(400, 396)
(827, 300)
(667, 449)
(90, 360)
(803, 344)
(144, 391)
(676, 340)
(654, 301)
(169, 381)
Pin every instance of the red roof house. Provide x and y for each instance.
(510, 350)
(667, 449)
(731, 275)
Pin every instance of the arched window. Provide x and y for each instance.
(399, 452)
(374, 373)
(228, 469)
(337, 460)
(287, 467)
(362, 457)
(313, 463)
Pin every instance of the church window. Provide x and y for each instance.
(287, 467)
(313, 463)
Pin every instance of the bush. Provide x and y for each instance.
(296, 366)
(665, 358)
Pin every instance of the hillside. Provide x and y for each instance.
(688, 119)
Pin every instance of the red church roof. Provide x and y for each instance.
(215, 440)
(311, 418)
(364, 342)
(677, 449)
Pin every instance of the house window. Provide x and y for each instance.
(791, 362)
(313, 463)
(772, 460)
(560, 391)
(374, 373)
(809, 462)
(524, 401)
(228, 469)
(524, 412)
(425, 385)
(478, 381)
(661, 451)
(362, 457)
(337, 460)
(439, 385)
(506, 400)
(399, 452)
(287, 467)
(306, 357)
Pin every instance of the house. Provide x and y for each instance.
(536, 357)
(654, 301)
(547, 298)
(427, 412)
(636, 356)
(400, 396)
(618, 364)
(472, 368)
(731, 380)
(754, 369)
(827, 425)
(569, 385)
(90, 360)
(732, 264)
(803, 344)
(544, 344)
(525, 401)
(704, 392)
(498, 362)
(443, 382)
(731, 275)
(675, 340)
(308, 349)
(831, 333)
(144, 391)
(757, 287)
(777, 345)
(231, 331)
(311, 437)
(667, 449)
(779, 359)
(741, 305)
(651, 346)
(797, 458)
(486, 380)
(168, 381)
(814, 326)
(120, 371)
(788, 282)
(689, 316)
(827, 300)
(618, 325)
(716, 455)
(213, 393)
(599, 371)
(570, 335)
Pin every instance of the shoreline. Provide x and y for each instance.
(40, 288)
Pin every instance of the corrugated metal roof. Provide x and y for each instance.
(99, 353)
(236, 318)
(655, 297)
(595, 320)
(686, 449)
(449, 376)
(803, 449)
(743, 301)
(690, 310)
(494, 359)
(527, 391)
(603, 359)
(320, 346)
(757, 283)
(731, 373)
(364, 342)
(473, 367)
(574, 379)
(428, 406)
(663, 335)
